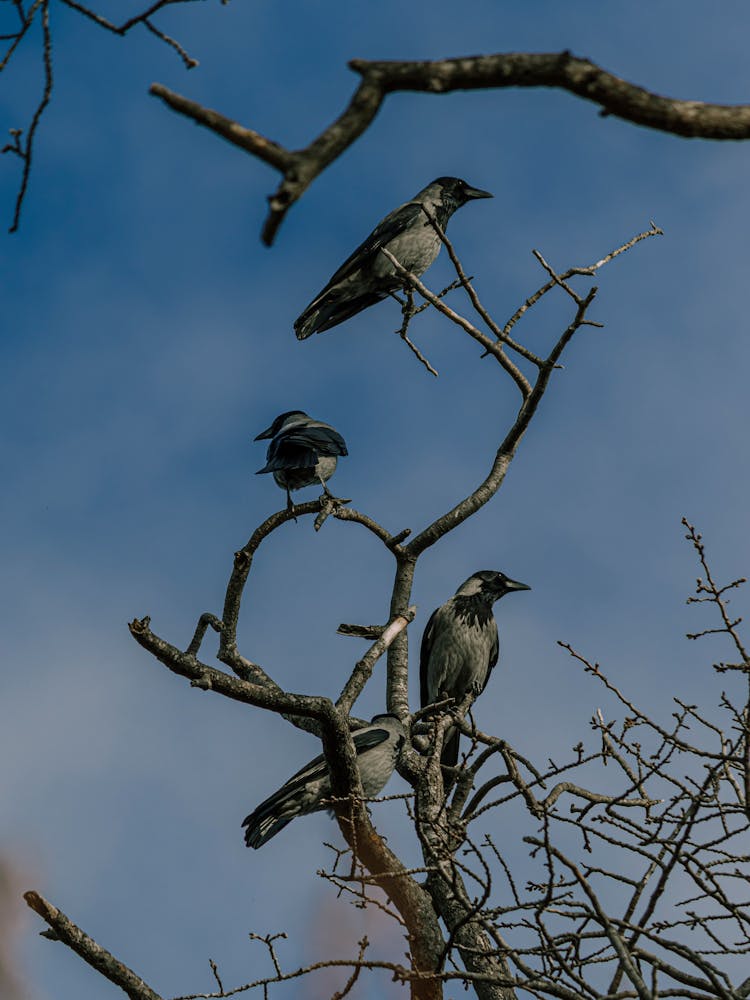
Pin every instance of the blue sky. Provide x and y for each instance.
(147, 338)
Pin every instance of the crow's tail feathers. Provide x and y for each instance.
(449, 756)
(260, 829)
(449, 760)
(329, 311)
(271, 816)
(305, 326)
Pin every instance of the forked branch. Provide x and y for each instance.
(561, 70)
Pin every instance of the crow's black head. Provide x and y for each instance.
(458, 192)
(490, 585)
(279, 422)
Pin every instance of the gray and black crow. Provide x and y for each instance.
(302, 451)
(460, 646)
(368, 276)
(307, 791)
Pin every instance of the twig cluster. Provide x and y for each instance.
(621, 873)
(29, 12)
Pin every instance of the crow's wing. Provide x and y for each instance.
(386, 230)
(297, 797)
(301, 447)
(494, 654)
(364, 740)
(311, 772)
(288, 456)
(294, 798)
(318, 436)
(424, 658)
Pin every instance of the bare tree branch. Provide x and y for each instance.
(364, 667)
(489, 487)
(92, 953)
(23, 146)
(561, 70)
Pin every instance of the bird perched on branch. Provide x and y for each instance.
(368, 276)
(460, 646)
(302, 451)
(309, 790)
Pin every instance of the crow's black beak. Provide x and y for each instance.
(516, 585)
(471, 192)
(268, 433)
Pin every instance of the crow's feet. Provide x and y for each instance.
(328, 504)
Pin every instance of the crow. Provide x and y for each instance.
(368, 276)
(460, 646)
(302, 451)
(309, 790)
